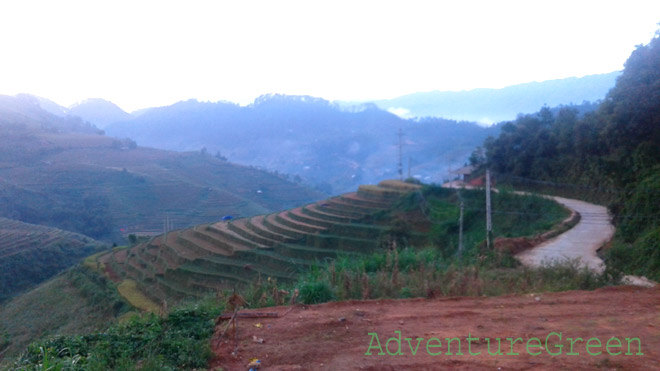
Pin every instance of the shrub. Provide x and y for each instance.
(315, 292)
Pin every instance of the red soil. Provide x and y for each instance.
(335, 336)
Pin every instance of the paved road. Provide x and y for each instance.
(580, 242)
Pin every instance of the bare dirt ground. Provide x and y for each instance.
(335, 336)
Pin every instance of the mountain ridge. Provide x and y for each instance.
(488, 105)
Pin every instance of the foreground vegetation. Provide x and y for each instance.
(73, 302)
(148, 342)
(180, 339)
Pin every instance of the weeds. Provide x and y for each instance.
(146, 342)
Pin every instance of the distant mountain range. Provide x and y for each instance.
(334, 148)
(62, 172)
(338, 146)
(96, 111)
(494, 105)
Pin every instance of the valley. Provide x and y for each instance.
(295, 230)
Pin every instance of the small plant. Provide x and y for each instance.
(315, 292)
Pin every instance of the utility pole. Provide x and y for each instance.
(409, 165)
(489, 222)
(167, 224)
(460, 231)
(400, 154)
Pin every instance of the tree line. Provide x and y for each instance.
(613, 151)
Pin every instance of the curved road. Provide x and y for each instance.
(580, 242)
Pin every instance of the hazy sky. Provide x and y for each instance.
(150, 53)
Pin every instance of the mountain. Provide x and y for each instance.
(99, 112)
(62, 172)
(332, 147)
(495, 105)
(48, 105)
(23, 113)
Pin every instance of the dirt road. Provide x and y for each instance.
(580, 242)
(337, 336)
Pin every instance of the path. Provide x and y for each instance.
(580, 242)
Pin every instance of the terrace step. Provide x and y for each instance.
(354, 199)
(179, 252)
(399, 185)
(242, 228)
(316, 211)
(284, 219)
(159, 267)
(188, 240)
(149, 253)
(132, 271)
(337, 208)
(236, 240)
(256, 224)
(213, 242)
(378, 193)
(298, 215)
(138, 267)
(170, 258)
(273, 225)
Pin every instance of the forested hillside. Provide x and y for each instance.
(611, 155)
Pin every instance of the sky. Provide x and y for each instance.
(141, 53)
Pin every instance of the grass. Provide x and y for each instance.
(426, 273)
(178, 341)
(75, 301)
(92, 262)
(128, 290)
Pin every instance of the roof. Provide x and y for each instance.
(465, 170)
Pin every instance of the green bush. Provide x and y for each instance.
(147, 342)
(315, 292)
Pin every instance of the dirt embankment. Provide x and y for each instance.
(581, 242)
(517, 245)
(337, 336)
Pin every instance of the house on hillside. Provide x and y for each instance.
(469, 176)
(464, 173)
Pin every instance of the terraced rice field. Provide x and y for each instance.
(210, 257)
(17, 237)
